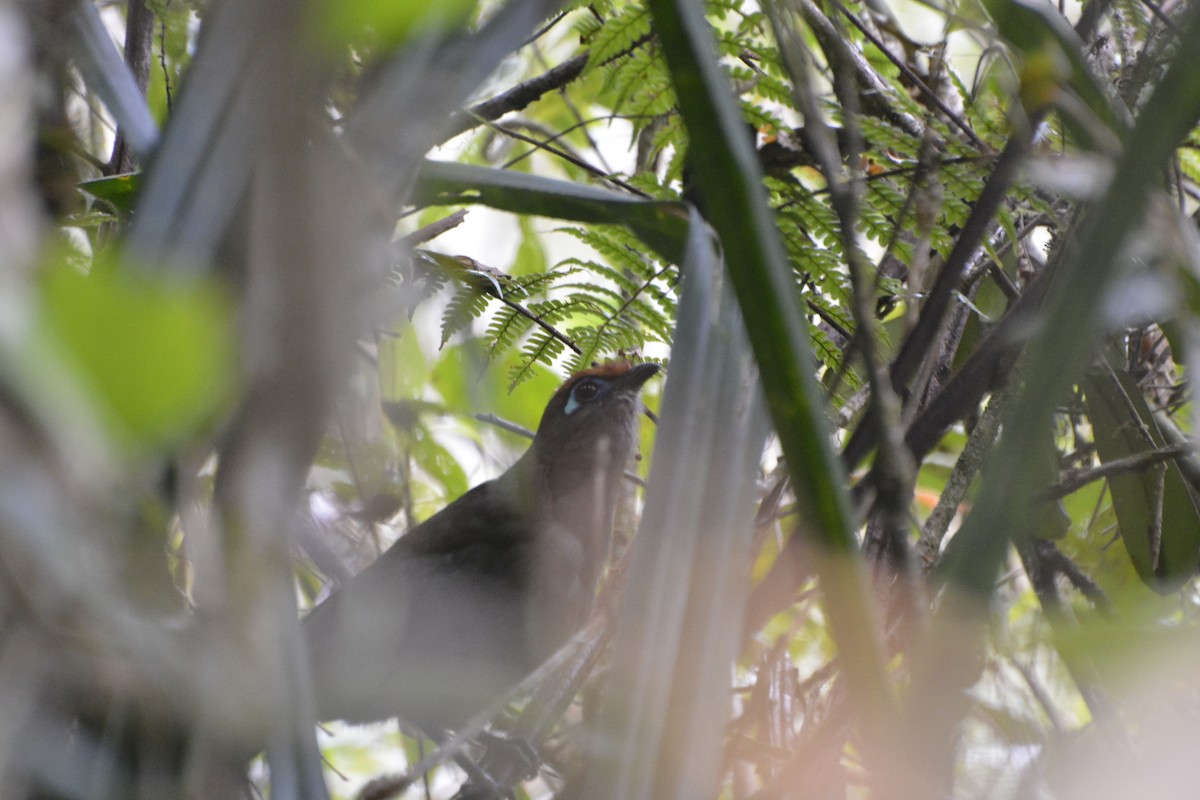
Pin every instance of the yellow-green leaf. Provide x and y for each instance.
(155, 355)
(1146, 499)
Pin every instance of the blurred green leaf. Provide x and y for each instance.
(531, 255)
(118, 191)
(1140, 498)
(468, 386)
(1052, 63)
(403, 371)
(389, 23)
(106, 74)
(438, 463)
(1015, 727)
(525, 404)
(729, 178)
(156, 354)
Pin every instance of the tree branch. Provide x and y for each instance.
(1075, 479)
(528, 92)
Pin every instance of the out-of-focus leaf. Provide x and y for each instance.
(107, 75)
(1140, 299)
(438, 463)
(524, 405)
(1047, 520)
(468, 386)
(1014, 728)
(156, 355)
(388, 22)
(194, 185)
(89, 219)
(677, 632)
(423, 82)
(118, 191)
(729, 178)
(1140, 498)
(1053, 62)
(1083, 176)
(402, 368)
(531, 255)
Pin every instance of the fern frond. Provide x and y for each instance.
(617, 34)
(466, 306)
(506, 327)
(641, 85)
(542, 348)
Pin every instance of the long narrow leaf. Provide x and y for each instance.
(195, 184)
(1160, 526)
(662, 226)
(108, 76)
(730, 179)
(661, 733)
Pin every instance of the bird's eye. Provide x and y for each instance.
(584, 392)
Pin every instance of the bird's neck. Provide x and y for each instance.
(570, 498)
(574, 489)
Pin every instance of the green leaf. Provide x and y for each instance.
(729, 177)
(660, 225)
(118, 191)
(402, 368)
(617, 34)
(468, 386)
(1140, 498)
(106, 74)
(438, 463)
(531, 255)
(155, 354)
(392, 23)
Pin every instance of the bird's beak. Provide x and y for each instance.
(638, 375)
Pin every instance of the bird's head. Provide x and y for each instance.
(590, 421)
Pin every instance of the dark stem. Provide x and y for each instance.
(139, 40)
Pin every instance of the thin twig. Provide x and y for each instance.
(969, 461)
(566, 156)
(521, 95)
(907, 71)
(1076, 479)
(542, 31)
(582, 123)
(434, 229)
(504, 425)
(517, 97)
(162, 63)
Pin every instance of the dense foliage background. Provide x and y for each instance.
(281, 279)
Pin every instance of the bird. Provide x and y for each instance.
(466, 604)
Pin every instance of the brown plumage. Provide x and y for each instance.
(463, 606)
